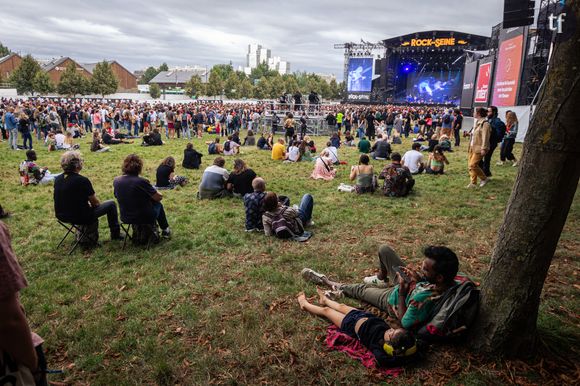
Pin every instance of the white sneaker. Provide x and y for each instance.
(515, 163)
(312, 276)
(499, 163)
(334, 294)
(375, 281)
(483, 182)
(470, 186)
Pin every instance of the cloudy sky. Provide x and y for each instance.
(204, 32)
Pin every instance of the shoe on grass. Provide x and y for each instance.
(313, 276)
(471, 186)
(483, 182)
(334, 294)
(515, 163)
(166, 233)
(499, 163)
(375, 281)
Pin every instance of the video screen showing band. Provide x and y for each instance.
(360, 74)
(433, 87)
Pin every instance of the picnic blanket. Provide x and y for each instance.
(337, 340)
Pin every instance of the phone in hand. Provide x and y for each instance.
(404, 276)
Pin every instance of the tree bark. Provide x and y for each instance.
(537, 209)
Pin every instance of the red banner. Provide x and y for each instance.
(507, 74)
(483, 81)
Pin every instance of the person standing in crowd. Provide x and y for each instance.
(478, 148)
(457, 123)
(11, 124)
(289, 125)
(17, 341)
(507, 145)
(496, 136)
(24, 128)
(370, 124)
(275, 123)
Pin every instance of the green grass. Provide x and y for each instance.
(215, 304)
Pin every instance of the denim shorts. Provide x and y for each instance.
(349, 321)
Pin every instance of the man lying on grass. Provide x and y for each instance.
(388, 345)
(412, 299)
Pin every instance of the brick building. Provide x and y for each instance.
(56, 67)
(8, 64)
(127, 80)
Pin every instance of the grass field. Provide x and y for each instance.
(217, 305)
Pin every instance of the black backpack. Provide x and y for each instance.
(227, 146)
(447, 119)
(453, 314)
(211, 149)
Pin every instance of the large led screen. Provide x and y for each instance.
(434, 87)
(360, 74)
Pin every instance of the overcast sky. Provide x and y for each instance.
(138, 34)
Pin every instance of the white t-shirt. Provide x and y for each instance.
(411, 159)
(332, 153)
(293, 153)
(59, 138)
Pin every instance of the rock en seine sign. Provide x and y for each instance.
(433, 42)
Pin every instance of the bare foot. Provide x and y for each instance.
(321, 296)
(302, 300)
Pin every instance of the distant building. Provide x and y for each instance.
(277, 64)
(127, 80)
(256, 55)
(55, 67)
(177, 78)
(8, 64)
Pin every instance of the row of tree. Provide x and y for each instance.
(29, 78)
(262, 83)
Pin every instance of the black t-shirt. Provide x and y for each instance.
(134, 195)
(163, 173)
(372, 334)
(242, 182)
(261, 142)
(383, 149)
(191, 159)
(71, 199)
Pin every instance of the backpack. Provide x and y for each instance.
(227, 146)
(211, 149)
(447, 119)
(453, 314)
(283, 228)
(42, 120)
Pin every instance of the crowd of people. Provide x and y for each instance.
(405, 294)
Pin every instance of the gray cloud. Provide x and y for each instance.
(204, 32)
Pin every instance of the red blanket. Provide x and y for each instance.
(337, 340)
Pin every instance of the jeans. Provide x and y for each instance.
(13, 140)
(305, 209)
(485, 165)
(506, 149)
(185, 132)
(109, 208)
(27, 137)
(136, 129)
(160, 215)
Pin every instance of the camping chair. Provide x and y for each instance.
(82, 231)
(129, 230)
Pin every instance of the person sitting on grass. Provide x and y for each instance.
(295, 218)
(388, 345)
(253, 204)
(213, 181)
(152, 139)
(231, 147)
(323, 168)
(263, 143)
(108, 139)
(348, 139)
(364, 175)
(364, 145)
(139, 202)
(75, 201)
(437, 161)
(166, 178)
(304, 150)
(381, 150)
(191, 157)
(411, 295)
(444, 143)
(240, 180)
(250, 139)
(398, 179)
(279, 151)
(31, 174)
(214, 147)
(97, 145)
(293, 154)
(413, 159)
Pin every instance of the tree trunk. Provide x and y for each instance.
(537, 209)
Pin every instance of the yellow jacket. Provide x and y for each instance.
(480, 136)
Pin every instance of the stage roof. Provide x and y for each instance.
(437, 39)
